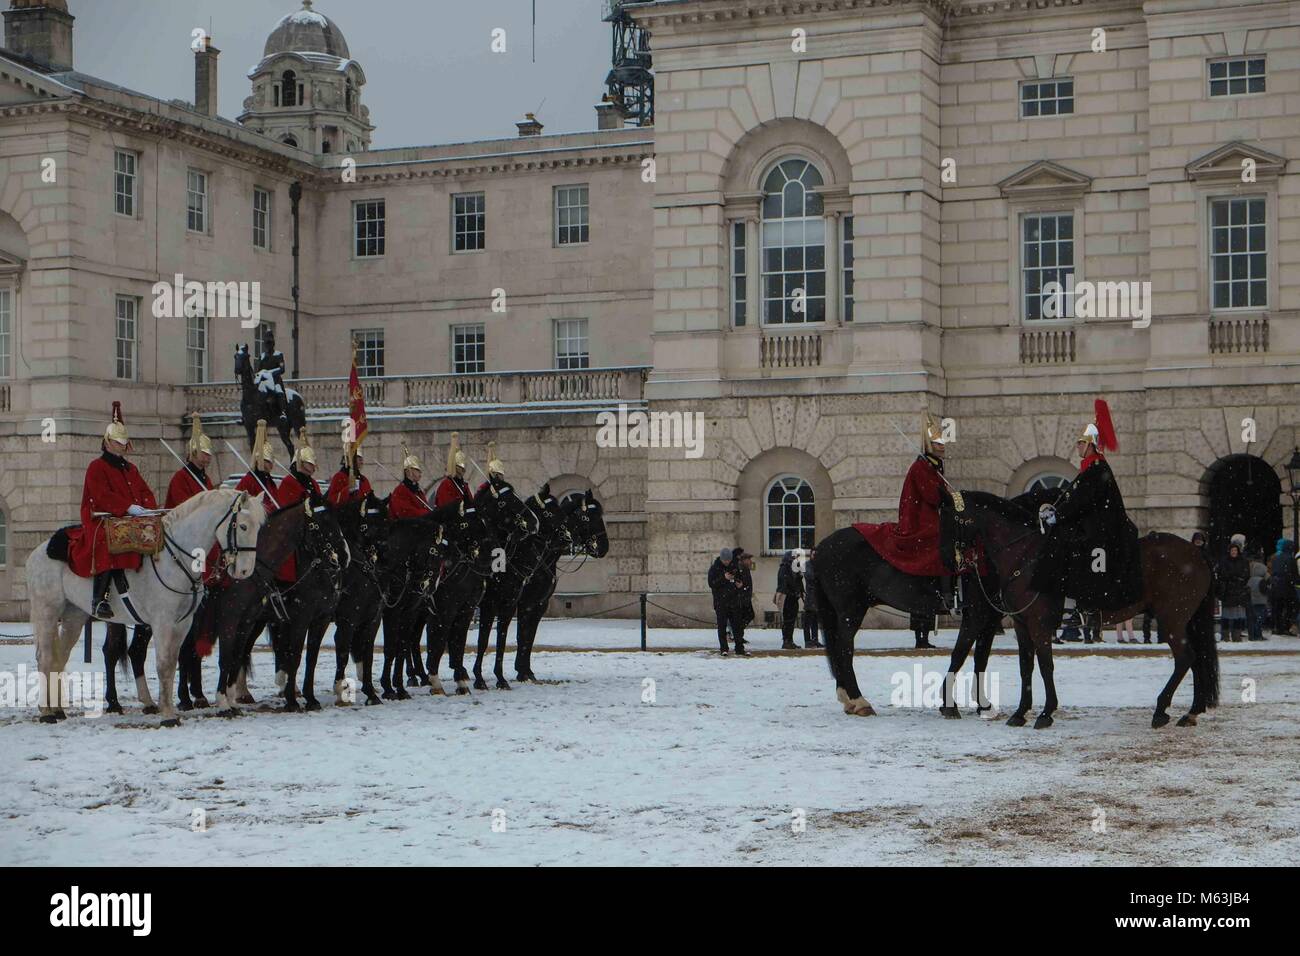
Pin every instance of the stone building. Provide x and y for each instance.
(855, 210)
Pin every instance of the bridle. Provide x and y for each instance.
(230, 552)
(967, 558)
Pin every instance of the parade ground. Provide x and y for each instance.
(674, 756)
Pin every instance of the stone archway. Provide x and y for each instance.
(1245, 496)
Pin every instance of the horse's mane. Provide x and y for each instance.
(1010, 509)
(183, 510)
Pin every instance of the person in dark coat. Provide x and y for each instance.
(725, 585)
(744, 598)
(1281, 586)
(789, 590)
(810, 624)
(1091, 553)
(922, 624)
(1234, 592)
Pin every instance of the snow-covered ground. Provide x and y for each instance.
(674, 756)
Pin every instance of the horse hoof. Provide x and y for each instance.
(402, 695)
(388, 694)
(312, 704)
(51, 719)
(424, 681)
(184, 705)
(1042, 722)
(480, 684)
(1016, 720)
(372, 700)
(201, 702)
(952, 713)
(988, 713)
(1158, 720)
(462, 690)
(436, 688)
(503, 684)
(246, 699)
(858, 707)
(171, 722)
(113, 708)
(290, 707)
(151, 709)
(1187, 720)
(412, 681)
(229, 713)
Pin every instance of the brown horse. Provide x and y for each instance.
(1178, 587)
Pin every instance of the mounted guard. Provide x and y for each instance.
(258, 480)
(296, 486)
(408, 499)
(113, 488)
(192, 478)
(453, 487)
(1091, 553)
(348, 483)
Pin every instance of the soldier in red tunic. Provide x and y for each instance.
(495, 467)
(193, 477)
(407, 499)
(453, 487)
(296, 486)
(115, 487)
(258, 481)
(348, 483)
(912, 543)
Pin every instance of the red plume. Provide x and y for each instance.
(1106, 439)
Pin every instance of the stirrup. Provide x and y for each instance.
(277, 605)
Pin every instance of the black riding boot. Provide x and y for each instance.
(99, 595)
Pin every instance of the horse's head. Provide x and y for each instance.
(237, 534)
(242, 363)
(504, 508)
(323, 541)
(585, 523)
(468, 536)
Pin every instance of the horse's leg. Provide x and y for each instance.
(66, 633)
(1044, 653)
(293, 636)
(456, 649)
(1178, 646)
(165, 654)
(344, 636)
(114, 655)
(960, 650)
(503, 629)
(138, 653)
(1026, 649)
(486, 614)
(984, 707)
(436, 635)
(393, 645)
(315, 635)
(848, 693)
(188, 663)
(364, 655)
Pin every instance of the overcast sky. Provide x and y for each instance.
(431, 77)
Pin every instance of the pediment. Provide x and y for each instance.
(1045, 179)
(1226, 163)
(11, 264)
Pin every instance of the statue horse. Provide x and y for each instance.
(1178, 587)
(164, 591)
(264, 396)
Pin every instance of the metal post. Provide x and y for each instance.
(643, 627)
(295, 195)
(86, 653)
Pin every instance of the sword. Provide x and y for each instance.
(395, 478)
(184, 464)
(252, 472)
(909, 440)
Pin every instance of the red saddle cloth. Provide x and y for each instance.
(911, 544)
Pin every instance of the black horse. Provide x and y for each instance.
(1178, 587)
(583, 522)
(850, 578)
(526, 553)
(461, 585)
(415, 550)
(275, 404)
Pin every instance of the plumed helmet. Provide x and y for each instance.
(1101, 430)
(116, 430)
(304, 451)
(199, 442)
(495, 466)
(455, 457)
(262, 450)
(932, 434)
(409, 460)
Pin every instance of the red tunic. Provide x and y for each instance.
(185, 485)
(291, 492)
(250, 485)
(912, 544)
(1089, 461)
(339, 492)
(407, 501)
(112, 485)
(452, 489)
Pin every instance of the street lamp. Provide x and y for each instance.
(1293, 472)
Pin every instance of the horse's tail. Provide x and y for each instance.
(1200, 634)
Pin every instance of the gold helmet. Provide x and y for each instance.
(116, 430)
(199, 442)
(931, 435)
(262, 450)
(495, 465)
(304, 451)
(409, 460)
(455, 457)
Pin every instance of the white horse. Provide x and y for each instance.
(164, 592)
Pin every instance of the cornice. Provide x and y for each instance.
(670, 15)
(436, 168)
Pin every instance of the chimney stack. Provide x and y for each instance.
(205, 78)
(530, 126)
(40, 30)
(610, 115)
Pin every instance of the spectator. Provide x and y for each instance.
(789, 588)
(1257, 610)
(1147, 618)
(922, 625)
(810, 638)
(723, 584)
(1123, 627)
(1092, 629)
(744, 598)
(1069, 624)
(1234, 592)
(1281, 586)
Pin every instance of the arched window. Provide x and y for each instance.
(1045, 481)
(4, 539)
(289, 88)
(794, 245)
(791, 515)
(289, 140)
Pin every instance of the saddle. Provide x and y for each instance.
(141, 534)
